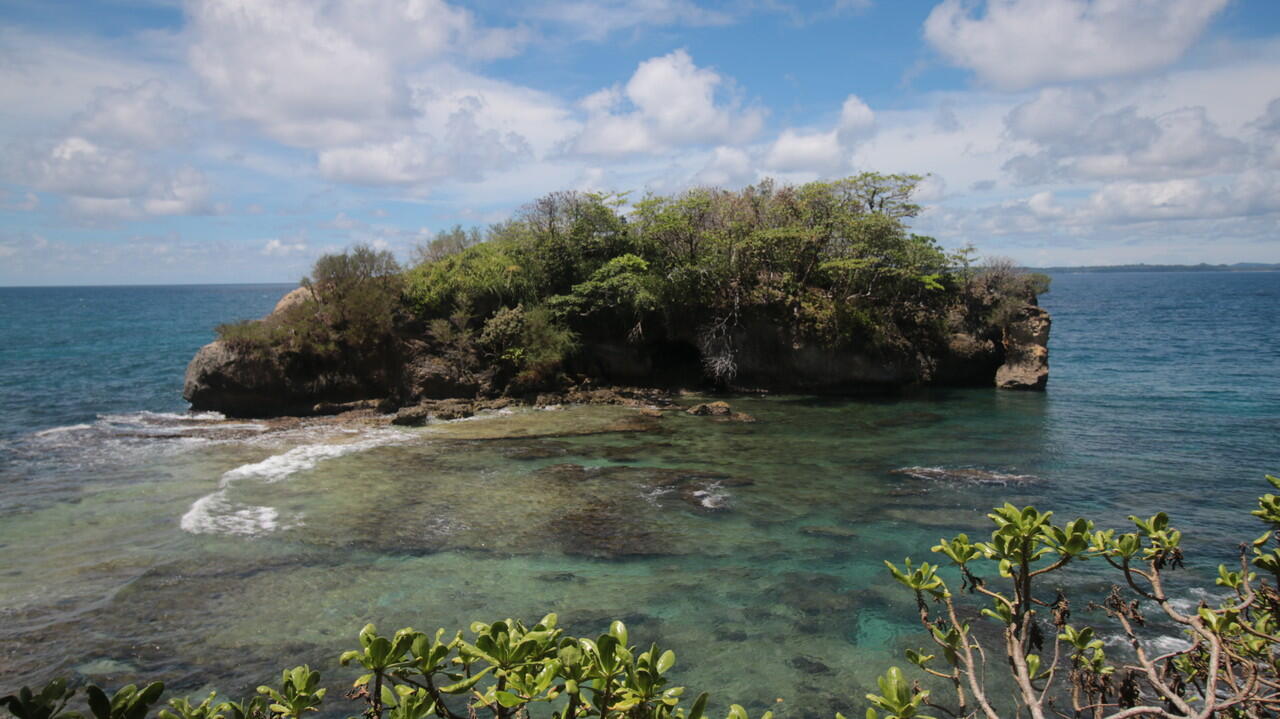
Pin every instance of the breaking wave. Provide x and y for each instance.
(218, 513)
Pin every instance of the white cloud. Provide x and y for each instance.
(443, 91)
(184, 192)
(313, 74)
(464, 152)
(133, 115)
(99, 209)
(46, 80)
(104, 182)
(856, 117)
(727, 167)
(1076, 137)
(1161, 213)
(672, 103)
(1017, 44)
(283, 248)
(813, 152)
(79, 166)
(1251, 193)
(817, 152)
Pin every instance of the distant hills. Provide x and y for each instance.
(1202, 267)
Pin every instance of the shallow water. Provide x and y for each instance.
(139, 541)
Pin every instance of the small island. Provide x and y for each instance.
(819, 288)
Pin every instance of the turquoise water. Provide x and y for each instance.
(136, 540)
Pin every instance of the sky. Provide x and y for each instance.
(161, 141)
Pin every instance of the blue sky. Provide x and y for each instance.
(152, 141)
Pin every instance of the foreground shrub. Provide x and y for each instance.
(1039, 665)
(503, 669)
(1231, 666)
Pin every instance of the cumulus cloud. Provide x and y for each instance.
(1077, 139)
(541, 120)
(135, 115)
(283, 248)
(1251, 193)
(822, 152)
(1016, 44)
(78, 166)
(1171, 210)
(313, 74)
(797, 151)
(727, 167)
(108, 182)
(668, 102)
(463, 154)
(183, 192)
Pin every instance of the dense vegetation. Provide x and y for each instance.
(1040, 664)
(828, 264)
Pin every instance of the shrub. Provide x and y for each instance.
(502, 670)
(1231, 666)
(484, 278)
(356, 293)
(545, 344)
(444, 244)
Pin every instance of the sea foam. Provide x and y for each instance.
(217, 513)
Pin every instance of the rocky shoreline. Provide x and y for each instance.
(415, 385)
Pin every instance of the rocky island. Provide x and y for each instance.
(819, 288)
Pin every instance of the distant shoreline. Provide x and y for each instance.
(1141, 267)
(1202, 267)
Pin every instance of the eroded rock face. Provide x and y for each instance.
(221, 379)
(256, 384)
(1026, 347)
(267, 383)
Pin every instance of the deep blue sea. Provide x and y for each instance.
(137, 540)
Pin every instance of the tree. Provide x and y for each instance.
(444, 244)
(357, 293)
(1231, 666)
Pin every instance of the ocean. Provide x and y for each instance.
(138, 540)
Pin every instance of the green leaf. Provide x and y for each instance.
(466, 684)
(699, 706)
(507, 699)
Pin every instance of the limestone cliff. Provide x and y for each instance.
(1026, 351)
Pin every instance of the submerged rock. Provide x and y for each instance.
(424, 412)
(829, 532)
(711, 409)
(536, 450)
(808, 664)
